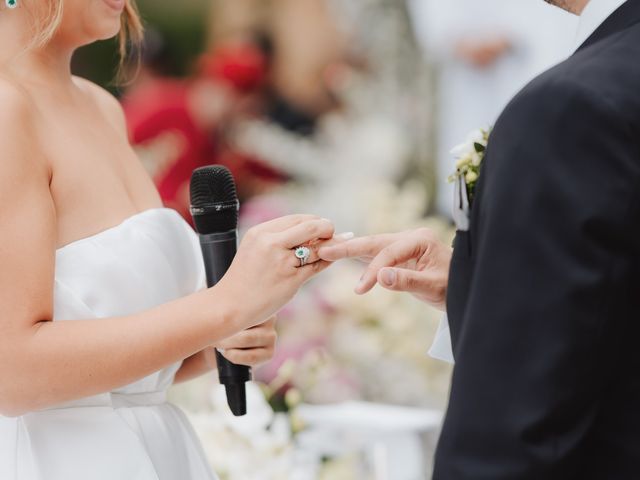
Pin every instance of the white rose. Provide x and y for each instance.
(475, 159)
(464, 161)
(460, 150)
(471, 176)
(476, 136)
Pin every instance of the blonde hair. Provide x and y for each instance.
(132, 30)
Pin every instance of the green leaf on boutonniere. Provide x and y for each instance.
(479, 147)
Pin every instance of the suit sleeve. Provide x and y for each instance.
(550, 260)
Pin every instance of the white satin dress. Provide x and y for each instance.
(131, 433)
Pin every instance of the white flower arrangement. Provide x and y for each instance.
(469, 156)
(227, 439)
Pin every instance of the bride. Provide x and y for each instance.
(102, 304)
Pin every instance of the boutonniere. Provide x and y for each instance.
(469, 156)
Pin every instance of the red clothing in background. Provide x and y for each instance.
(172, 145)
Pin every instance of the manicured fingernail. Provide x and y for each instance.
(388, 277)
(345, 236)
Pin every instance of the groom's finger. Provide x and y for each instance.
(395, 254)
(363, 247)
(410, 281)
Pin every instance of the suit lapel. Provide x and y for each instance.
(627, 15)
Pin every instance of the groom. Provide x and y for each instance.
(543, 297)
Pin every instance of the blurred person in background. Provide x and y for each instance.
(307, 41)
(332, 122)
(179, 125)
(484, 52)
(102, 291)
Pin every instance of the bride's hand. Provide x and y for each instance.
(265, 273)
(251, 347)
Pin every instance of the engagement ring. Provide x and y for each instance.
(303, 254)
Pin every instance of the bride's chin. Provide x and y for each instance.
(87, 36)
(108, 32)
(112, 34)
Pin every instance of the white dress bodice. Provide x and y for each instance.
(132, 432)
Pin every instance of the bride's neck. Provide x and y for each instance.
(50, 65)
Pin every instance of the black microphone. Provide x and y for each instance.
(214, 208)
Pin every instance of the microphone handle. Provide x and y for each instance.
(218, 251)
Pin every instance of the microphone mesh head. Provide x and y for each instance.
(214, 200)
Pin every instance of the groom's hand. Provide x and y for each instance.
(414, 261)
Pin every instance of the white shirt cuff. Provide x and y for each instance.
(441, 348)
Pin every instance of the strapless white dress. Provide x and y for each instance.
(131, 433)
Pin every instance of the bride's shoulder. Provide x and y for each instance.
(104, 101)
(16, 115)
(19, 150)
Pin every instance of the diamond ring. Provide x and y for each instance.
(303, 254)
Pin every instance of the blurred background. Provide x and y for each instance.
(347, 109)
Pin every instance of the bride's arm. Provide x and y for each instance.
(196, 365)
(44, 363)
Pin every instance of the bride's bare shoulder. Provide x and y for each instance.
(105, 101)
(19, 145)
(17, 117)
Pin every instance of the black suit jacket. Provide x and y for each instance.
(544, 294)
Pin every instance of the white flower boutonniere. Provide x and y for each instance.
(469, 156)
